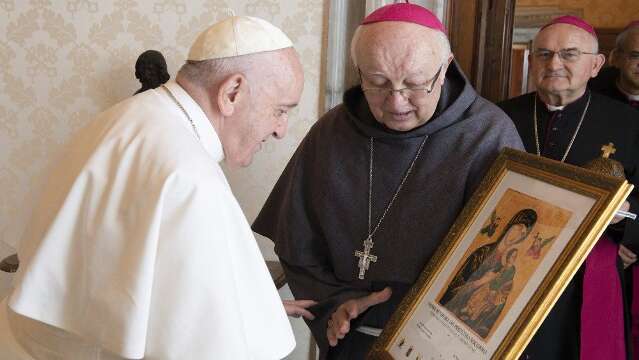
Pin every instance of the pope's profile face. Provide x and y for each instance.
(402, 71)
(265, 114)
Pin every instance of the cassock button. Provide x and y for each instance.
(554, 129)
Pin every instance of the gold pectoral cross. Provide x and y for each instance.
(608, 150)
(365, 257)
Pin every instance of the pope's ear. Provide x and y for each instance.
(231, 93)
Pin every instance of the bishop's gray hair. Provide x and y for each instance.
(442, 40)
(595, 42)
(620, 41)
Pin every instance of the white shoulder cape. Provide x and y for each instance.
(139, 246)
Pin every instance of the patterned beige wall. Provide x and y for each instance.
(600, 13)
(63, 61)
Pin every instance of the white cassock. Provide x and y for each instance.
(140, 248)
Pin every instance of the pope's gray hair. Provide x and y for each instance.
(207, 72)
(441, 38)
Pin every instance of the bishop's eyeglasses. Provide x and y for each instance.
(632, 56)
(566, 55)
(409, 92)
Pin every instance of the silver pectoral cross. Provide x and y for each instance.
(365, 257)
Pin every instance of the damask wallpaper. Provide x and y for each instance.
(600, 13)
(63, 61)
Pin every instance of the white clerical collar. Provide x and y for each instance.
(630, 97)
(205, 130)
(554, 108)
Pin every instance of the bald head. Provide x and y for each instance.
(393, 55)
(577, 35)
(404, 37)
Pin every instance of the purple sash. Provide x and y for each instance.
(634, 310)
(602, 324)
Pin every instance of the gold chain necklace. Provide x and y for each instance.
(365, 257)
(574, 136)
(197, 134)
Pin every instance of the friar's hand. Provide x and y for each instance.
(627, 257)
(624, 207)
(297, 308)
(340, 322)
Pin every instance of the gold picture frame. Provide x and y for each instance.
(509, 255)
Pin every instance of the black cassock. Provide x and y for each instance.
(606, 121)
(317, 214)
(606, 83)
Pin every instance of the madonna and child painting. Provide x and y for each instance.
(501, 260)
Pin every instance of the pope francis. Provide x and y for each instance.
(138, 248)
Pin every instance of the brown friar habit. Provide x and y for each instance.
(317, 214)
(606, 120)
